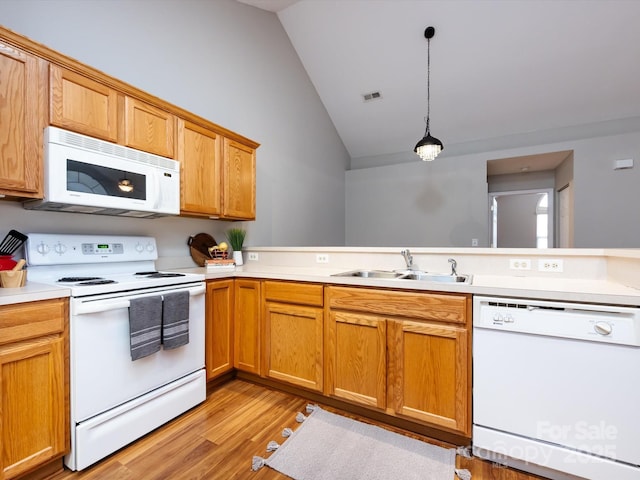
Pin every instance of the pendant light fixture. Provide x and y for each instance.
(429, 147)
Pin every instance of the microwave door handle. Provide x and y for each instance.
(81, 308)
(158, 192)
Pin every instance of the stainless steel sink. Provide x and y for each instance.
(369, 274)
(437, 277)
(407, 275)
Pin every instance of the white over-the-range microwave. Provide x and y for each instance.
(87, 175)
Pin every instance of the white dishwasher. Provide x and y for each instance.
(556, 387)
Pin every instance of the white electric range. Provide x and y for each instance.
(114, 399)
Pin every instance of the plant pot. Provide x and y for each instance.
(237, 257)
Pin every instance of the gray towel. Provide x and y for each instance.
(145, 323)
(175, 320)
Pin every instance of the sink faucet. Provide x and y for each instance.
(408, 258)
(454, 265)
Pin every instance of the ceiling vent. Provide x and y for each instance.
(368, 97)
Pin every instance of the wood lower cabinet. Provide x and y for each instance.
(405, 352)
(34, 418)
(293, 339)
(219, 328)
(247, 326)
(22, 120)
(356, 361)
(428, 372)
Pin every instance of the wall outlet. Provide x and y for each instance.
(519, 264)
(253, 256)
(322, 258)
(550, 265)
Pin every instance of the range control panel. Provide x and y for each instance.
(61, 249)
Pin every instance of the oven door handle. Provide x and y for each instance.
(117, 303)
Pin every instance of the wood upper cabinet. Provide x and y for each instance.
(34, 419)
(200, 157)
(22, 119)
(247, 326)
(219, 327)
(149, 128)
(405, 352)
(239, 181)
(293, 339)
(82, 105)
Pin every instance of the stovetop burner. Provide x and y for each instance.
(100, 281)
(165, 275)
(157, 274)
(78, 279)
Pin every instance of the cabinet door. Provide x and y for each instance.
(148, 128)
(32, 420)
(246, 348)
(429, 371)
(83, 105)
(219, 328)
(22, 120)
(293, 344)
(199, 154)
(356, 358)
(239, 190)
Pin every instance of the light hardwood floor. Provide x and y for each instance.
(218, 439)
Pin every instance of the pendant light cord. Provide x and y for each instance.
(428, 81)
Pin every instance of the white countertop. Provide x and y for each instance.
(561, 289)
(31, 292)
(596, 276)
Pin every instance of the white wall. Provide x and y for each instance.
(444, 202)
(228, 62)
(419, 204)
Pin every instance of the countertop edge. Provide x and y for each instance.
(540, 288)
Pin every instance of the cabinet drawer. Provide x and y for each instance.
(34, 319)
(452, 308)
(298, 293)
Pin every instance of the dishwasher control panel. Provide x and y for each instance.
(591, 322)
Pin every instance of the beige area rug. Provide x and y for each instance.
(332, 447)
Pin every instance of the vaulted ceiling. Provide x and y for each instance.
(504, 73)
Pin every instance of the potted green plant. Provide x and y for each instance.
(236, 239)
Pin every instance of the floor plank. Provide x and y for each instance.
(218, 439)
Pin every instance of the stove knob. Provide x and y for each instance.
(603, 328)
(150, 247)
(60, 248)
(42, 248)
(139, 247)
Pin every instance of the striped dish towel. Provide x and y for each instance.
(175, 320)
(145, 323)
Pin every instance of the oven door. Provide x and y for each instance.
(103, 375)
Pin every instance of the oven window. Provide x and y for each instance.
(99, 180)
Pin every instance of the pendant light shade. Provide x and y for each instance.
(429, 147)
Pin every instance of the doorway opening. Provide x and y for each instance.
(522, 219)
